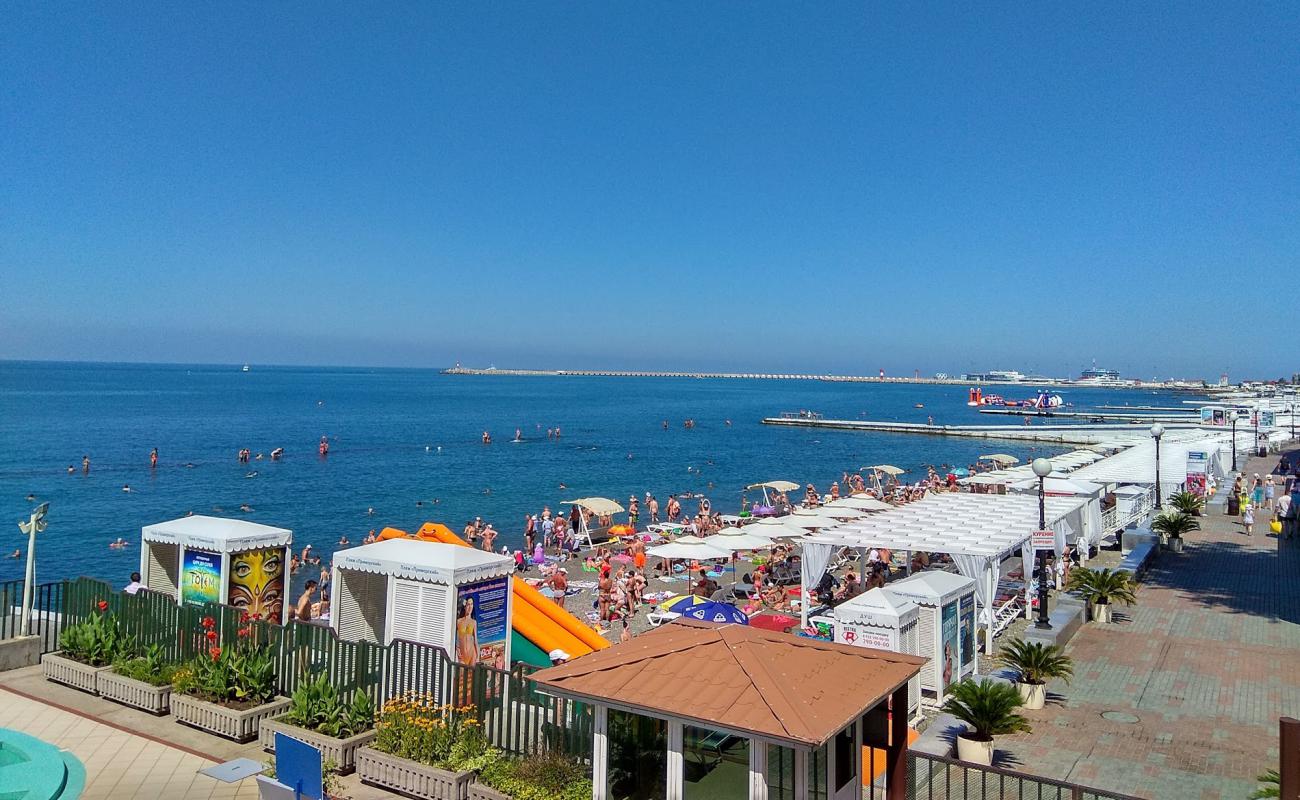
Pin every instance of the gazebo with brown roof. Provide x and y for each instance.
(815, 699)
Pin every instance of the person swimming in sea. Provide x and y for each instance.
(487, 438)
(246, 508)
(16, 554)
(126, 487)
(519, 435)
(252, 474)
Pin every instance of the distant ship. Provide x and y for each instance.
(1097, 376)
(245, 368)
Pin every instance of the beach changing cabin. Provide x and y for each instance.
(456, 598)
(885, 621)
(200, 559)
(945, 628)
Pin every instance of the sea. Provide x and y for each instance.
(406, 447)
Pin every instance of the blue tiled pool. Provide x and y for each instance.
(34, 770)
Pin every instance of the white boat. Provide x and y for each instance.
(245, 368)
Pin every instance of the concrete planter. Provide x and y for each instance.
(71, 673)
(342, 751)
(1176, 544)
(1034, 695)
(19, 652)
(975, 751)
(411, 777)
(478, 791)
(1101, 613)
(230, 723)
(134, 693)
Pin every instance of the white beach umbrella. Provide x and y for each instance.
(692, 547)
(842, 512)
(811, 521)
(777, 528)
(739, 539)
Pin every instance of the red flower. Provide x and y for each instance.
(212, 636)
(243, 617)
(243, 632)
(103, 605)
(215, 653)
(208, 622)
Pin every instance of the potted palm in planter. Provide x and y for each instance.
(1036, 663)
(319, 716)
(228, 691)
(87, 649)
(989, 708)
(1100, 587)
(141, 681)
(425, 750)
(1189, 503)
(1171, 525)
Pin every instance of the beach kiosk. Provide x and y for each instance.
(945, 628)
(885, 621)
(200, 559)
(456, 598)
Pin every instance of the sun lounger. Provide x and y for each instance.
(657, 618)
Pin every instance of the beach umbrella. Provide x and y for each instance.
(777, 528)
(862, 502)
(712, 612)
(811, 521)
(888, 469)
(668, 604)
(1001, 459)
(692, 547)
(739, 539)
(841, 512)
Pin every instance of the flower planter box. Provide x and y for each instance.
(71, 673)
(134, 693)
(231, 723)
(342, 751)
(411, 777)
(478, 791)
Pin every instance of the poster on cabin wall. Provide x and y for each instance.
(967, 619)
(481, 629)
(951, 642)
(256, 583)
(200, 578)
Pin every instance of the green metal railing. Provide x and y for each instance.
(46, 606)
(937, 778)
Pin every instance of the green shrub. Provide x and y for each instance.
(150, 666)
(98, 641)
(545, 776)
(242, 674)
(1036, 662)
(988, 707)
(317, 705)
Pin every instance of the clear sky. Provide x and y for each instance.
(818, 186)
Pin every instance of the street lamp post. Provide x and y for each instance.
(1233, 411)
(34, 525)
(1158, 430)
(1255, 414)
(1042, 468)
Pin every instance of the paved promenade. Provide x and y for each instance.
(1199, 671)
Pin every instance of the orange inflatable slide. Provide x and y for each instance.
(535, 617)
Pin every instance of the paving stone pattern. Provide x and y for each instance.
(1207, 661)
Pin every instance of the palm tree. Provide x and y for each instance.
(1272, 785)
(989, 707)
(1037, 662)
(1098, 587)
(1188, 503)
(1173, 524)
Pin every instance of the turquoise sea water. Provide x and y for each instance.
(386, 428)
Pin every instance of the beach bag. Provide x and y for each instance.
(1275, 526)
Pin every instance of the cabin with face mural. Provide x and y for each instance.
(200, 559)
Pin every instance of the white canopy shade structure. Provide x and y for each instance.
(860, 502)
(596, 505)
(1000, 458)
(692, 547)
(600, 506)
(977, 530)
(216, 534)
(1065, 463)
(840, 512)
(1055, 485)
(812, 521)
(888, 469)
(780, 486)
(739, 539)
(424, 561)
(1137, 465)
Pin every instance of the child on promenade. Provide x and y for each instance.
(1248, 519)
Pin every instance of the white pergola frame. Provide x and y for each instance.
(979, 531)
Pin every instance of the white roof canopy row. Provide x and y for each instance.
(1066, 462)
(1138, 463)
(985, 525)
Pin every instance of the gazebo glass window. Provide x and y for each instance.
(637, 760)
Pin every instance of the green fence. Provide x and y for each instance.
(518, 716)
(47, 603)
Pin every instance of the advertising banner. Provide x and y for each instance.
(256, 583)
(1214, 416)
(861, 637)
(201, 578)
(967, 631)
(481, 629)
(951, 644)
(1267, 419)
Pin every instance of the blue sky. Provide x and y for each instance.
(700, 185)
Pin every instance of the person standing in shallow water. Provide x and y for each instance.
(153, 458)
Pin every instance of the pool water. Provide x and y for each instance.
(31, 769)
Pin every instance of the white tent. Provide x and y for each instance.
(777, 528)
(692, 547)
(861, 502)
(733, 539)
(1138, 463)
(977, 530)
